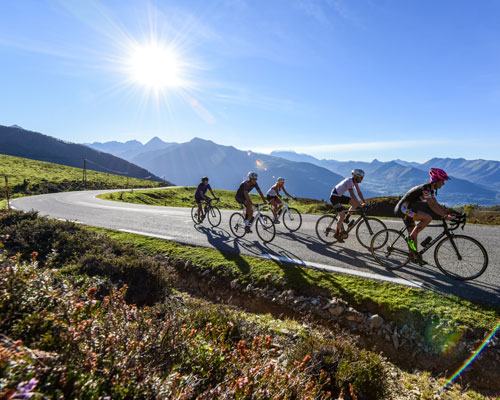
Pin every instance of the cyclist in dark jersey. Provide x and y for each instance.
(200, 194)
(420, 204)
(243, 197)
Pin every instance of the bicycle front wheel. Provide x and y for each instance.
(366, 229)
(194, 214)
(237, 225)
(390, 249)
(325, 228)
(214, 216)
(461, 257)
(292, 219)
(265, 228)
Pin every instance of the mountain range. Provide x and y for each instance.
(474, 181)
(16, 141)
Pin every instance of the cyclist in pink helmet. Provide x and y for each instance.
(420, 204)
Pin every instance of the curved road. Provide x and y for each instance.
(302, 247)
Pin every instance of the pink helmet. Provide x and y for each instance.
(438, 174)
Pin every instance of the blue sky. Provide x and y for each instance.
(338, 79)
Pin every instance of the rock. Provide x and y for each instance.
(336, 310)
(375, 322)
(205, 273)
(395, 341)
(235, 284)
(355, 315)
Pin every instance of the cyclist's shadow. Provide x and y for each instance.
(221, 240)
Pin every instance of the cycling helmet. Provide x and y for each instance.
(204, 179)
(253, 175)
(438, 174)
(280, 179)
(358, 172)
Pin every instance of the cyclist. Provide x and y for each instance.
(243, 197)
(273, 196)
(420, 204)
(200, 194)
(338, 198)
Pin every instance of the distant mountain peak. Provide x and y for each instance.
(155, 140)
(17, 127)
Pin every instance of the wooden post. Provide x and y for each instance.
(7, 191)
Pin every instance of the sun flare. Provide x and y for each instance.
(156, 66)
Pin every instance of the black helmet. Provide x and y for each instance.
(205, 178)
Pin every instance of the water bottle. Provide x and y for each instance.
(426, 241)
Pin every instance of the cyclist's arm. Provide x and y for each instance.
(213, 194)
(261, 195)
(353, 195)
(247, 196)
(436, 207)
(360, 194)
(288, 194)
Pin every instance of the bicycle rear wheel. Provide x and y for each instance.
(390, 249)
(214, 216)
(325, 228)
(237, 225)
(194, 214)
(463, 258)
(265, 228)
(366, 229)
(292, 219)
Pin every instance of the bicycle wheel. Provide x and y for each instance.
(325, 228)
(237, 225)
(194, 214)
(292, 219)
(390, 249)
(214, 216)
(265, 228)
(366, 229)
(463, 258)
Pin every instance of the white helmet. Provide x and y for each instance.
(280, 179)
(253, 175)
(358, 172)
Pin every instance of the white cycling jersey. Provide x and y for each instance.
(274, 191)
(342, 187)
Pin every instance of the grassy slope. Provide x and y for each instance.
(180, 348)
(184, 197)
(28, 177)
(404, 305)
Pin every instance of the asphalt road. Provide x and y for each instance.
(301, 247)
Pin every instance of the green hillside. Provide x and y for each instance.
(29, 177)
(184, 197)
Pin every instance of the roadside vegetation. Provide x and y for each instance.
(81, 312)
(29, 177)
(184, 197)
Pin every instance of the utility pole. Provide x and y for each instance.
(7, 191)
(85, 173)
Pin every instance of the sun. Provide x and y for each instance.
(155, 66)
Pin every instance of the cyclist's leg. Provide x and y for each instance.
(423, 220)
(354, 206)
(198, 201)
(249, 210)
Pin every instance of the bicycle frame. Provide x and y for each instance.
(284, 208)
(260, 208)
(446, 232)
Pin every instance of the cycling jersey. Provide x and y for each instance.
(203, 189)
(274, 191)
(244, 187)
(342, 187)
(415, 200)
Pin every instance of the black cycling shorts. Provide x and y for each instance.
(337, 201)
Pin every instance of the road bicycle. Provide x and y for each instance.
(365, 226)
(290, 216)
(208, 210)
(460, 257)
(264, 225)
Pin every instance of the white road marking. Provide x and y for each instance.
(148, 234)
(308, 264)
(330, 268)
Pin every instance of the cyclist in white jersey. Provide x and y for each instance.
(273, 196)
(338, 198)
